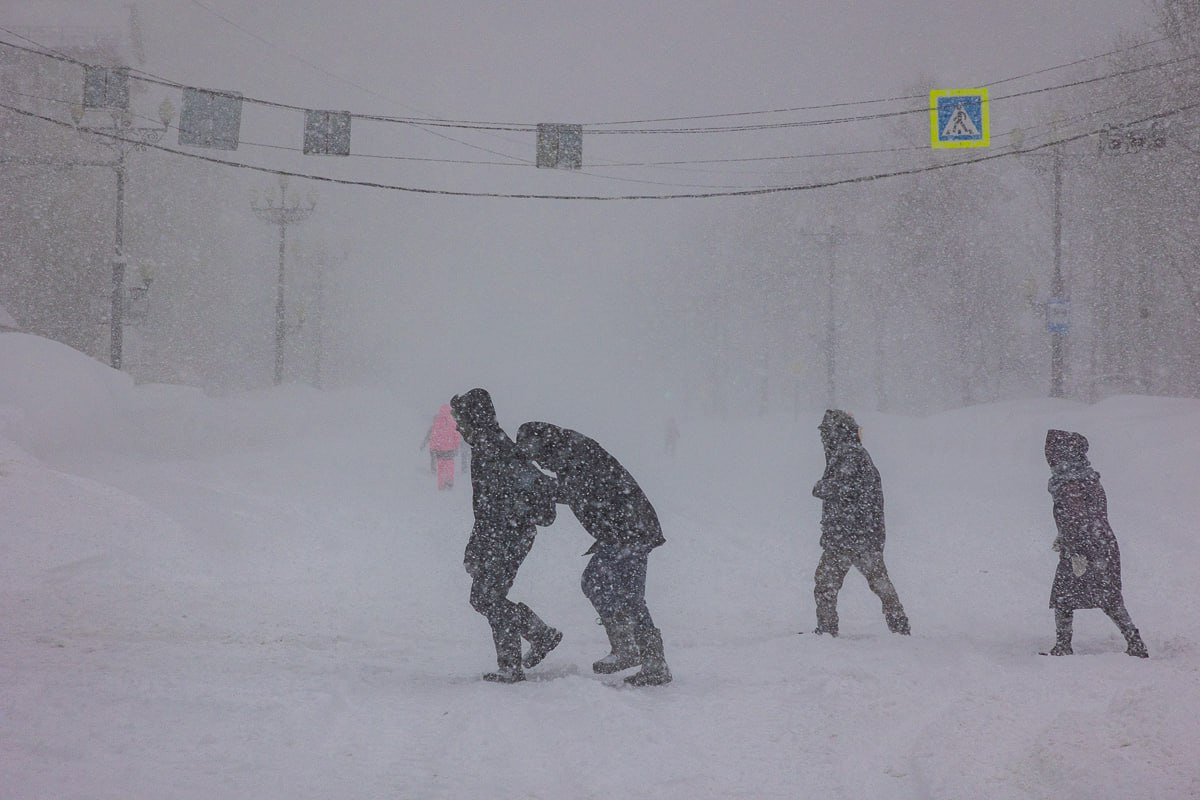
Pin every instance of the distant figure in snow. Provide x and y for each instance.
(611, 507)
(852, 530)
(672, 436)
(510, 496)
(1089, 562)
(443, 440)
(425, 443)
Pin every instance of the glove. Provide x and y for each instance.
(1079, 565)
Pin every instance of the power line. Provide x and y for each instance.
(764, 190)
(532, 127)
(678, 163)
(147, 77)
(357, 86)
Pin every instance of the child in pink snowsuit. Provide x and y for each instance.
(444, 440)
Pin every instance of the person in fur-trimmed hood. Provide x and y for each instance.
(1089, 561)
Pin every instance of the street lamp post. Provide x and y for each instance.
(122, 138)
(834, 237)
(1057, 306)
(284, 214)
(1058, 328)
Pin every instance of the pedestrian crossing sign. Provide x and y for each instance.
(959, 118)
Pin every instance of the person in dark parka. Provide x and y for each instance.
(510, 496)
(852, 529)
(611, 507)
(1089, 561)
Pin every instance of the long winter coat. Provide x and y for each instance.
(508, 492)
(850, 490)
(1089, 561)
(604, 497)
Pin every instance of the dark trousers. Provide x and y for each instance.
(831, 573)
(492, 559)
(615, 583)
(1064, 619)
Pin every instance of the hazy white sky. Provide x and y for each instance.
(473, 291)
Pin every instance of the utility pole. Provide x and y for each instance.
(1058, 305)
(282, 215)
(122, 138)
(1058, 328)
(320, 322)
(834, 237)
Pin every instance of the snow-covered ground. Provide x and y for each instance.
(261, 596)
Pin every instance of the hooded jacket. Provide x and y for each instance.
(443, 435)
(604, 497)
(1089, 561)
(507, 491)
(850, 490)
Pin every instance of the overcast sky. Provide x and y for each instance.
(529, 293)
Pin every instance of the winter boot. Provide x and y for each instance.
(827, 618)
(1136, 647)
(1133, 640)
(508, 656)
(897, 620)
(654, 670)
(624, 652)
(1063, 629)
(542, 638)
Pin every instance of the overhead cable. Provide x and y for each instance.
(764, 190)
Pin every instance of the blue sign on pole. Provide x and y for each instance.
(1058, 315)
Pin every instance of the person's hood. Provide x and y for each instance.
(474, 412)
(1066, 448)
(838, 428)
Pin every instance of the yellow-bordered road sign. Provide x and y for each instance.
(959, 118)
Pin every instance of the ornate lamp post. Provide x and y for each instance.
(282, 214)
(122, 137)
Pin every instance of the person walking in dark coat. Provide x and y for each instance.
(852, 530)
(611, 507)
(1089, 562)
(510, 496)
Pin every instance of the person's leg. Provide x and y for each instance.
(445, 471)
(1133, 639)
(542, 638)
(872, 566)
(630, 575)
(497, 564)
(831, 573)
(1064, 621)
(600, 584)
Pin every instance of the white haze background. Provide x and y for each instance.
(258, 593)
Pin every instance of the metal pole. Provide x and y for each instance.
(280, 322)
(281, 215)
(320, 322)
(831, 331)
(116, 318)
(1057, 289)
